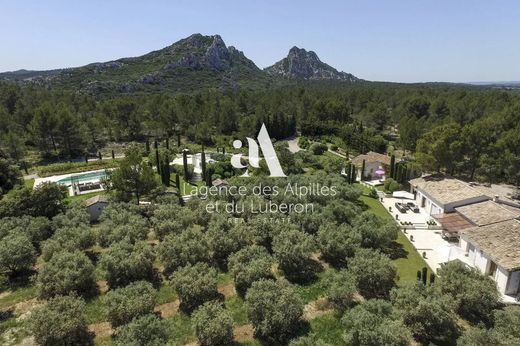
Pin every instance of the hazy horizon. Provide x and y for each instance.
(409, 41)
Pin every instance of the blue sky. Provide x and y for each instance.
(405, 40)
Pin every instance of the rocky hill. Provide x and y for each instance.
(192, 63)
(305, 65)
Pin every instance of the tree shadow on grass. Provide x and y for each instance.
(396, 251)
(302, 328)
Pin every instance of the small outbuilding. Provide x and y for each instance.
(95, 206)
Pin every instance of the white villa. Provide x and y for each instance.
(488, 227)
(495, 250)
(373, 161)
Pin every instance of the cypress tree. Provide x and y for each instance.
(392, 166)
(348, 173)
(179, 140)
(167, 143)
(432, 278)
(157, 160)
(419, 276)
(177, 181)
(424, 275)
(147, 146)
(362, 171)
(86, 159)
(203, 163)
(99, 155)
(185, 163)
(354, 174)
(113, 155)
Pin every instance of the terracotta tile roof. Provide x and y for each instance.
(500, 241)
(453, 222)
(486, 213)
(371, 156)
(446, 189)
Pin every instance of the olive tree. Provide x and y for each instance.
(376, 232)
(341, 288)
(373, 323)
(79, 237)
(336, 243)
(66, 273)
(248, 265)
(213, 324)
(429, 315)
(122, 222)
(189, 247)
(274, 309)
(475, 294)
(129, 302)
(17, 253)
(373, 272)
(124, 263)
(195, 285)
(148, 330)
(225, 238)
(36, 229)
(292, 249)
(60, 322)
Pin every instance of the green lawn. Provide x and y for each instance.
(83, 197)
(409, 261)
(29, 183)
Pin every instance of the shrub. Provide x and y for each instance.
(249, 265)
(318, 148)
(61, 322)
(17, 253)
(336, 243)
(341, 289)
(195, 285)
(274, 309)
(390, 185)
(127, 303)
(189, 247)
(147, 330)
(66, 273)
(124, 263)
(373, 272)
(213, 325)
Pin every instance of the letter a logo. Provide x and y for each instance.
(266, 145)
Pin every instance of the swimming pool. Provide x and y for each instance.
(80, 178)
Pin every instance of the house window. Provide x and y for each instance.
(492, 269)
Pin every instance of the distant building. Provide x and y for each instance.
(95, 206)
(219, 182)
(373, 161)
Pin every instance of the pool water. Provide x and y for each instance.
(79, 178)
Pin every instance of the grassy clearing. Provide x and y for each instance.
(237, 307)
(95, 310)
(80, 198)
(181, 329)
(29, 183)
(74, 167)
(409, 260)
(166, 294)
(328, 328)
(315, 289)
(17, 295)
